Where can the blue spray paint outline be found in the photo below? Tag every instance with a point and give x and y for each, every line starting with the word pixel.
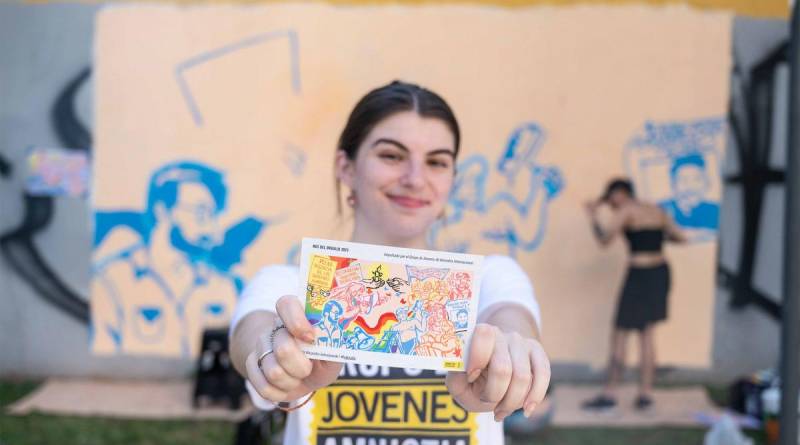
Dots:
pixel 671 141
pixel 193 62
pixel 474 171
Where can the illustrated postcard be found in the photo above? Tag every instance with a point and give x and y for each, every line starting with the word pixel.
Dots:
pixel 389 306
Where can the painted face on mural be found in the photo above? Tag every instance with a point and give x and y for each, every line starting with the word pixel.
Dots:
pixel 194 217
pixel 402 174
pixel 690 183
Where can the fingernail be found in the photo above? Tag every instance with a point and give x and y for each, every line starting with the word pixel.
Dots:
pixel 529 408
pixel 473 375
pixel 498 417
pixel 309 337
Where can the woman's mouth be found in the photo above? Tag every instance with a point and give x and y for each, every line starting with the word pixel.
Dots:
pixel 408 202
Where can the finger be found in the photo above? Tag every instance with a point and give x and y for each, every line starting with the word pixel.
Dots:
pixel 521 377
pixel 289 355
pixel 323 373
pixel 457 384
pixel 500 371
pixel 291 312
pixel 259 382
pixel 480 350
pixel 540 365
pixel 277 376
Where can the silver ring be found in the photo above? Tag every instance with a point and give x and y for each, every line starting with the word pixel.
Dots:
pixel 271 339
pixel 262 357
pixel 275 330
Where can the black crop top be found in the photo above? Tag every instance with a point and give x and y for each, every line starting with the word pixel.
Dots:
pixel 645 240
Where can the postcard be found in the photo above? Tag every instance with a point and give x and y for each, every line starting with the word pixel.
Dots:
pixel 389 306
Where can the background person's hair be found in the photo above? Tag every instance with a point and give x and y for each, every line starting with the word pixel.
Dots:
pixel 385 101
pixel 622 184
pixel 695 159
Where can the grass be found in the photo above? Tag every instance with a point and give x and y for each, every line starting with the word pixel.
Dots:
pixel 45 429
pixel 616 436
pixel 41 429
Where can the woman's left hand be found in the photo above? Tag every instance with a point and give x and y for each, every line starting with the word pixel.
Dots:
pixel 505 372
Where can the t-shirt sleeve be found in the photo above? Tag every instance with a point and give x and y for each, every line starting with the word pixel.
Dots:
pixel 263 291
pixel 504 281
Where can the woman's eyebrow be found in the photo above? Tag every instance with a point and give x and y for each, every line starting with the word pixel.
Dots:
pixel 390 142
pixel 398 144
pixel 442 151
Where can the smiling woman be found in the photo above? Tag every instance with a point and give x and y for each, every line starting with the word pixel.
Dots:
pixel 396 156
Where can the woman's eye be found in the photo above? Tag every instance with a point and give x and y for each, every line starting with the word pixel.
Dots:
pixel 391 156
pixel 438 163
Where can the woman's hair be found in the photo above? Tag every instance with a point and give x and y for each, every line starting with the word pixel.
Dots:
pixel 385 101
pixel 618 184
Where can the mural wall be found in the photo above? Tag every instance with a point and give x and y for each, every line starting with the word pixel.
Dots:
pixel 216 128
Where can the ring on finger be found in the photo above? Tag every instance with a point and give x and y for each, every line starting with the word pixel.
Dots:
pixel 262 357
pixel 272 335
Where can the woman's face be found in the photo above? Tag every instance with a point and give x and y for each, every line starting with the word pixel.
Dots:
pixel 618 198
pixel 402 174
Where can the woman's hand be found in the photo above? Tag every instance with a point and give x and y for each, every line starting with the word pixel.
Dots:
pixel 505 372
pixel 286 374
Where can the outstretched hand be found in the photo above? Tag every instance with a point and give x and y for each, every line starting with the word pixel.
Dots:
pixel 285 373
pixel 505 371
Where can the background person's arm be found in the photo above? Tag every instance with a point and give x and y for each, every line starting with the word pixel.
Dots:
pixel 673 232
pixel 605 233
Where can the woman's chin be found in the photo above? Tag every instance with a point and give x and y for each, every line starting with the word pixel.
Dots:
pixel 407 227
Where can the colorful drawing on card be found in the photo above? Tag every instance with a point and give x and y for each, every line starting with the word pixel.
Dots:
pixel 389 306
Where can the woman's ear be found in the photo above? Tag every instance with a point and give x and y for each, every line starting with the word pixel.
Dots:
pixel 345 169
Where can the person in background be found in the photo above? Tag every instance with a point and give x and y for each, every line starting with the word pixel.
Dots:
pixel 643 300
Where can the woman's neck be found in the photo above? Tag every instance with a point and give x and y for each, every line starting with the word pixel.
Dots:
pixel 366 233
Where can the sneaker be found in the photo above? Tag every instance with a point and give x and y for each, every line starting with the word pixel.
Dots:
pixel 643 403
pixel 601 402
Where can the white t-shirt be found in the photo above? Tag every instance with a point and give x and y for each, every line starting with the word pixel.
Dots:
pixel 378 405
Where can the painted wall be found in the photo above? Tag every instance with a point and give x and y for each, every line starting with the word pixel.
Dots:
pixel 558 145
pixel 44 46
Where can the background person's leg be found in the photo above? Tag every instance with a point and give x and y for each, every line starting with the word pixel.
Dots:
pixel 647 367
pixel 616 364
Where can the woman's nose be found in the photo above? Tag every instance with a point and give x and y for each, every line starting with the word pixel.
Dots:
pixel 414 176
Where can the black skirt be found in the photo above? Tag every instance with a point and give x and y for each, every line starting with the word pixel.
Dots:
pixel 643 300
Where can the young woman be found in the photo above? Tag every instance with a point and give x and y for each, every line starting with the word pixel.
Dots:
pixel 643 300
pixel 397 156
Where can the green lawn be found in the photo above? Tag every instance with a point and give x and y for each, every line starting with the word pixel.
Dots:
pixel 619 436
pixel 39 429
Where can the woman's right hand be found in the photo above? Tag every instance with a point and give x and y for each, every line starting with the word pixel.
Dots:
pixel 287 374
